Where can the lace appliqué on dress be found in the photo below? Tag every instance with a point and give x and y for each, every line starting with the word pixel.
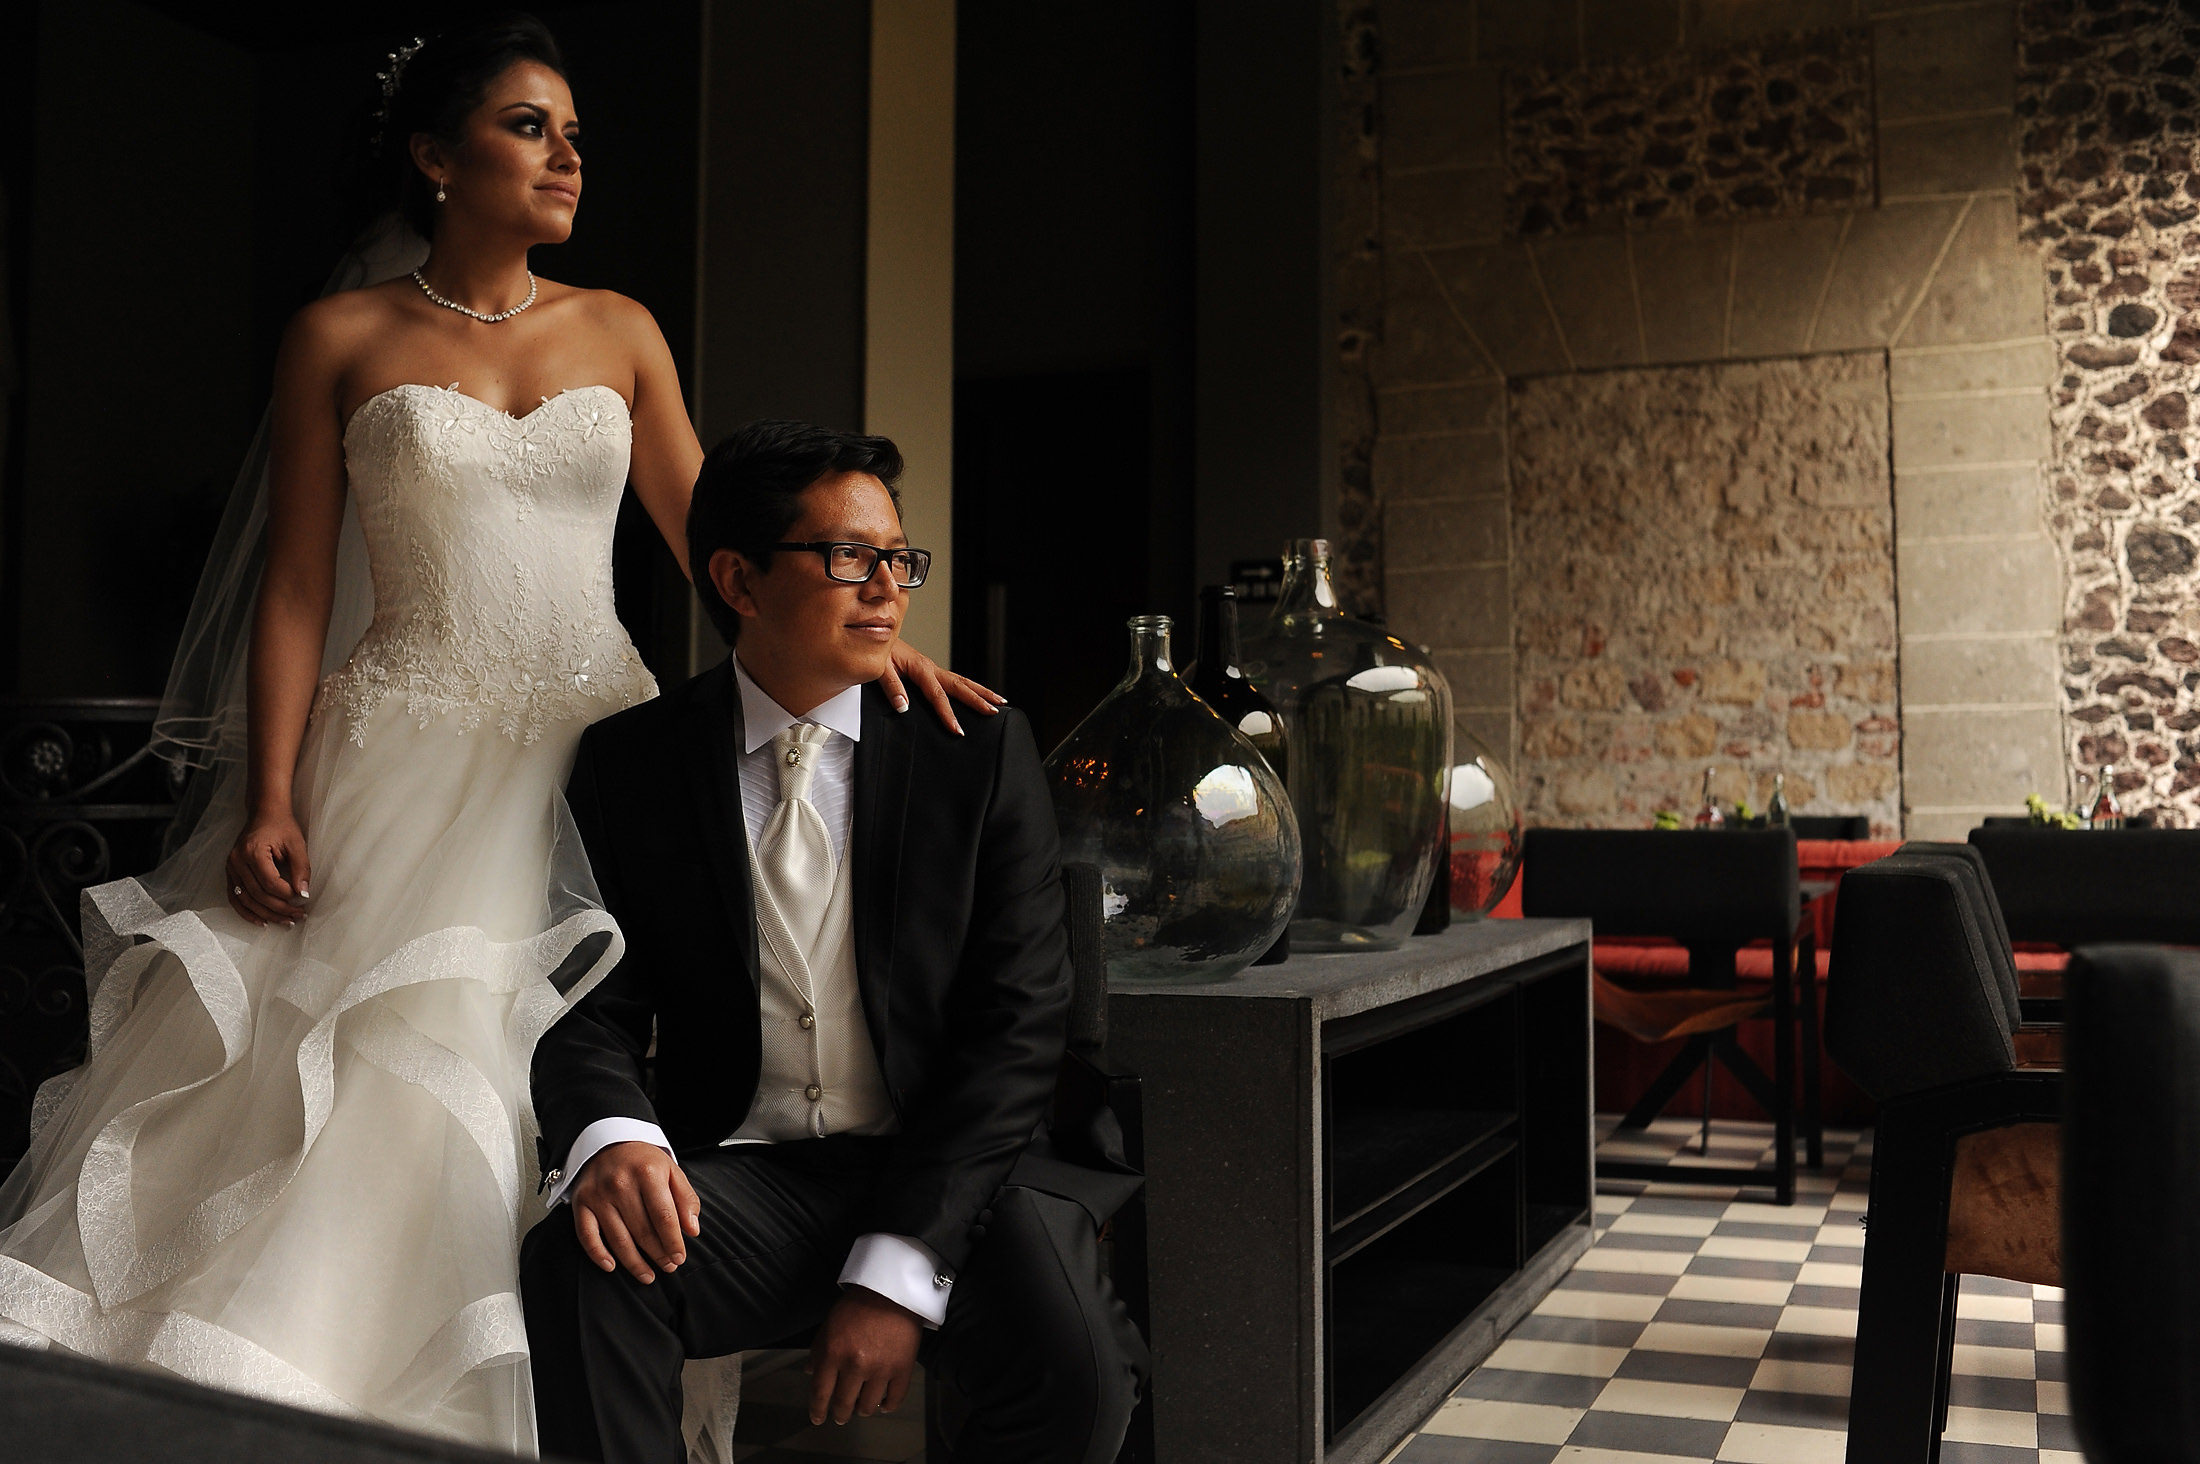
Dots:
pixel 489 536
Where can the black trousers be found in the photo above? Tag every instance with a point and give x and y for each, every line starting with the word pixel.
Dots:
pixel 1035 1339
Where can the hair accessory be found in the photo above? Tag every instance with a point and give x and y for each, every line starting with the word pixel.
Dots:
pixel 391 80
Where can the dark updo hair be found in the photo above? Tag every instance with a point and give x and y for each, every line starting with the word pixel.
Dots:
pixel 750 493
pixel 438 87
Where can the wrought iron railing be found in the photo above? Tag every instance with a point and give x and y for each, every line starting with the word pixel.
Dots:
pixel 82 800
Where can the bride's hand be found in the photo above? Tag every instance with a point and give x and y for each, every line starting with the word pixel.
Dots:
pixel 940 687
pixel 269 873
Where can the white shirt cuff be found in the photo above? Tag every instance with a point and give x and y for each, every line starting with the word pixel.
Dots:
pixel 602 1134
pixel 902 1270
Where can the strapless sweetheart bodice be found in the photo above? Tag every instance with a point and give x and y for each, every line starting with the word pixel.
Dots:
pixel 488 539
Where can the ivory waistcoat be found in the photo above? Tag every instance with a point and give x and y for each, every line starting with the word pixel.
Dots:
pixel 821 1078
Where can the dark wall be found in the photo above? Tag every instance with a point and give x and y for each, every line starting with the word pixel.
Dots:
pixel 786 192
pixel 1073 340
pixel 136 349
pixel 184 197
pixel 1267 318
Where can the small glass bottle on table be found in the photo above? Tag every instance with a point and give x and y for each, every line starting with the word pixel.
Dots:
pixel 1707 814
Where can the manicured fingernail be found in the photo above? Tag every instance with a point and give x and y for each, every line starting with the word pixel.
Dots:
pixel 304 893
pixel 901 704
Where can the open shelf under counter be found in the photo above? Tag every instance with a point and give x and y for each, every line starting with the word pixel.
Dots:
pixel 1361 1170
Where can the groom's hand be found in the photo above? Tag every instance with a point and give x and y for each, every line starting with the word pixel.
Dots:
pixel 633 1207
pixel 862 1357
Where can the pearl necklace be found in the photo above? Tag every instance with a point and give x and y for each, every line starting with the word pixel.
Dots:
pixel 482 316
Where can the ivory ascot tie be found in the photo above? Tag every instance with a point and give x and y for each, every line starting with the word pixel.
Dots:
pixel 794 858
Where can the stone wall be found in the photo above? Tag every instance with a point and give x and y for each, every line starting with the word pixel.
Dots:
pixel 1782 126
pixel 2110 110
pixel 1930 271
pixel 1704 574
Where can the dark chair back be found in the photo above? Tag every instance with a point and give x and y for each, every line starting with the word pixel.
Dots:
pixel 1729 887
pixel 1830 826
pixel 1979 889
pixel 2075 887
pixel 1914 999
pixel 2131 1183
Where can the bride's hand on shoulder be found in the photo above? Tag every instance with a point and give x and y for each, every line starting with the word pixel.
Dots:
pixel 940 687
pixel 270 874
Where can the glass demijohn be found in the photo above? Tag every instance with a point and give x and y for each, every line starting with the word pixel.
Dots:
pixel 1192 832
pixel 1216 680
pixel 1485 827
pixel 1369 722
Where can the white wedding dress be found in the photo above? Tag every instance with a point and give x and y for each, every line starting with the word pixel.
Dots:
pixel 298 1162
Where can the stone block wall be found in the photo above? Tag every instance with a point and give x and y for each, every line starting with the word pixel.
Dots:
pixel 1703 562
pixel 1446 301
pixel 2110 110
pixel 1783 126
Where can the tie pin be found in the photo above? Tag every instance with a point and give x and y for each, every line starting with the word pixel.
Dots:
pixel 794 757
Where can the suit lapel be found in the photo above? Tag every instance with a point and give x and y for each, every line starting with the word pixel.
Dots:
pixel 882 804
pixel 710 744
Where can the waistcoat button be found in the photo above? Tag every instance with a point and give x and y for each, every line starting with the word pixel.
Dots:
pixel 813 1092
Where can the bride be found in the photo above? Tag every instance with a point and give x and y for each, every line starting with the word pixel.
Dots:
pixel 295 1162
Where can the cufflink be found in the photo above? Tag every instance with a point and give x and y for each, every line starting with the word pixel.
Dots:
pixel 549 1178
pixel 941 1281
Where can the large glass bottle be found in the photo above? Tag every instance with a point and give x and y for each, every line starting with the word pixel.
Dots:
pixel 1485 826
pixel 1216 679
pixel 1192 831
pixel 1369 722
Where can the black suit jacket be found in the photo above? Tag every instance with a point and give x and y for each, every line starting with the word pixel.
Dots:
pixel 960 952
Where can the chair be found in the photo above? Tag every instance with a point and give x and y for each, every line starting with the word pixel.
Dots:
pixel 1922 1011
pixel 2131 1277
pixel 1099 1110
pixel 1713 893
pixel 1830 826
pixel 2077 887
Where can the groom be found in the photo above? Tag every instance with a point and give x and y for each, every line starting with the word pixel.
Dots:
pixel 844 933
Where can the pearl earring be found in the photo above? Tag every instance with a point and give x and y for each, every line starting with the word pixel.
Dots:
pixel 439 190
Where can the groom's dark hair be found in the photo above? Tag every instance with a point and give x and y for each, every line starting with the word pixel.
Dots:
pixel 750 493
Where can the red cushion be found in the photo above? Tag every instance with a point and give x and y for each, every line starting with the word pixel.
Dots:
pixel 1619 959
pixel 1830 857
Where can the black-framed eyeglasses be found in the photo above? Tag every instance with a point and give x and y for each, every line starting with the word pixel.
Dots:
pixel 852 564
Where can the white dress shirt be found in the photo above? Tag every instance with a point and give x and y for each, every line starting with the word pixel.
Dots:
pixel 898 1267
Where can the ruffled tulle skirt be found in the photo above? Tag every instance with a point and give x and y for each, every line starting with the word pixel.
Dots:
pixel 297 1162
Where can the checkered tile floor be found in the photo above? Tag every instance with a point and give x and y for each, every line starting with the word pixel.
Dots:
pixel 1702 1327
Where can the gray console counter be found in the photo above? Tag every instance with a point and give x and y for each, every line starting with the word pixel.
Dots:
pixel 1361 1170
